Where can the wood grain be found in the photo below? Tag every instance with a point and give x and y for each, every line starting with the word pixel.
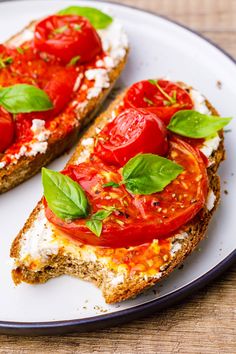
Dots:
pixel 203 323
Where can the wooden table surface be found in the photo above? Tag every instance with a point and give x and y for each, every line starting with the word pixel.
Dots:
pixel 203 323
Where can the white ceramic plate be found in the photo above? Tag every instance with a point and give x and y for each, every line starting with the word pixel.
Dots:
pixel 158 48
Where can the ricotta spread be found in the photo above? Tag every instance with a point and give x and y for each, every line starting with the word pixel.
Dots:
pixel 101 80
pixel 209 145
pixel 38 144
pixel 211 198
pixel 199 102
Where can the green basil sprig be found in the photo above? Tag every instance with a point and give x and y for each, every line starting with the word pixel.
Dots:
pixel 149 173
pixel 97 18
pixel 74 60
pixel 23 98
pixel 65 197
pixel 196 125
pixel 6 61
pixel 95 223
pixel 111 184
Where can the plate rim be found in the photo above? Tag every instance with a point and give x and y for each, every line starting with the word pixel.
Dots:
pixel 126 315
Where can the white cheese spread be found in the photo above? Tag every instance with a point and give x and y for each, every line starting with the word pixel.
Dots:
pixel 26 35
pixel 115 44
pixel 199 102
pixel 101 81
pixel 38 144
pixel 210 145
pixel 211 198
pixel 37 241
pixel 176 246
pixel 114 41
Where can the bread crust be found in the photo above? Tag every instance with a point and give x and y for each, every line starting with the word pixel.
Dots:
pixel 95 271
pixel 13 174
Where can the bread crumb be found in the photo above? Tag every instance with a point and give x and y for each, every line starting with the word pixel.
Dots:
pixel 219 84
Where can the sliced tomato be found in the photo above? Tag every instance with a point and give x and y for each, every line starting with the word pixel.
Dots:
pixel 132 132
pixel 138 219
pixel 144 94
pixel 7 129
pixel 67 37
pixel 60 90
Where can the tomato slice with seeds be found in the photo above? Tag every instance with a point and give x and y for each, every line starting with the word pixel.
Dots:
pixel 132 132
pixel 67 37
pixel 138 219
pixel 7 129
pixel 164 98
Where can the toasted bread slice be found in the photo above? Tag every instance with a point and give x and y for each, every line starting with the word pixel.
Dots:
pixel 24 167
pixel 41 252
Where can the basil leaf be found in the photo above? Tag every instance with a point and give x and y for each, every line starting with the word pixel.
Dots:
pixel 149 173
pixel 102 214
pixel 64 196
pixel 73 61
pixel 95 226
pixel 153 82
pixel 20 50
pixel 111 184
pixel 22 98
pixel 196 125
pixel 97 18
pixel 95 223
pixel 5 62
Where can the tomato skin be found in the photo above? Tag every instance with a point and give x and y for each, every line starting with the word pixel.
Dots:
pixel 142 93
pixel 132 132
pixel 83 42
pixel 60 90
pixel 140 220
pixel 7 129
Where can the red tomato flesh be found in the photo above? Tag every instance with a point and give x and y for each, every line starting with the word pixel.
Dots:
pixel 138 219
pixel 132 132
pixel 144 94
pixel 60 90
pixel 67 37
pixel 6 129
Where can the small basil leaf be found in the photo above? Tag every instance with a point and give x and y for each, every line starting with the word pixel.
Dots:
pixel 23 98
pixel 95 226
pixel 74 61
pixel 20 50
pixel 95 223
pixel 153 82
pixel 149 173
pixel 97 18
pixel 102 214
pixel 196 125
pixel 111 184
pixel 5 62
pixel 64 196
